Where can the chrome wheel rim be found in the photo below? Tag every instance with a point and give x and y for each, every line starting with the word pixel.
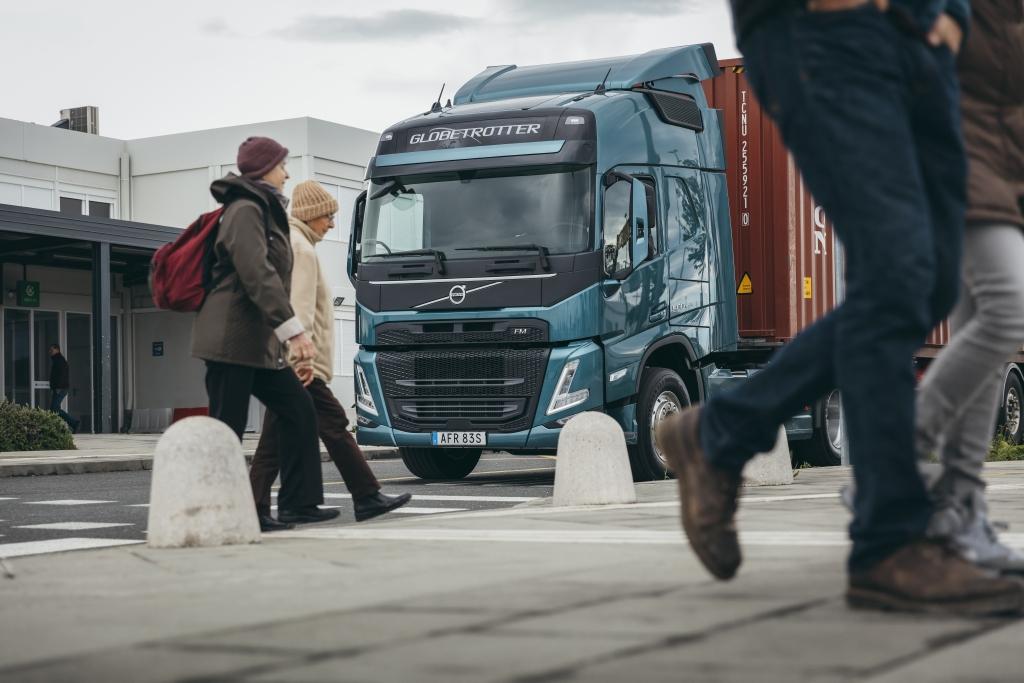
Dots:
pixel 665 405
pixel 834 420
pixel 1012 412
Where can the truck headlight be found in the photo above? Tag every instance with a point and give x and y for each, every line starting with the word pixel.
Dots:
pixel 563 398
pixel 364 399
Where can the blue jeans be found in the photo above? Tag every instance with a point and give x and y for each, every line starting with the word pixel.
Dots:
pixel 871 116
pixel 56 398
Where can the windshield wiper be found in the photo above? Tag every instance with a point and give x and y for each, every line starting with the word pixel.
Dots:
pixel 438 257
pixel 542 252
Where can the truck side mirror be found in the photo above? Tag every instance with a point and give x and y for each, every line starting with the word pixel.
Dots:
pixel 355 236
pixel 640 222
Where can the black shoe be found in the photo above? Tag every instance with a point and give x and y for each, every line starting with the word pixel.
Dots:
pixel 268 523
pixel 306 515
pixel 378 504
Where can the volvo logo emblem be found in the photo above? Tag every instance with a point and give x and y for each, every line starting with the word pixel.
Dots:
pixel 457 294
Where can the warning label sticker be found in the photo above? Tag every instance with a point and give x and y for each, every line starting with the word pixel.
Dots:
pixel 746 285
pixel 808 288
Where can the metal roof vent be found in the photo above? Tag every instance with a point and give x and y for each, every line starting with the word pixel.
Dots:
pixel 81 119
pixel 677 109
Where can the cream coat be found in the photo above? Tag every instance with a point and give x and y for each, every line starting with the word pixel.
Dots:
pixel 311 297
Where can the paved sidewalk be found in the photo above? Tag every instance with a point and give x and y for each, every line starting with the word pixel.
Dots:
pixel 117 453
pixel 534 594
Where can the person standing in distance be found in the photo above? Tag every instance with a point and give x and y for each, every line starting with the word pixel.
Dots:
pixel 60 384
pixel 312 217
pixel 246 327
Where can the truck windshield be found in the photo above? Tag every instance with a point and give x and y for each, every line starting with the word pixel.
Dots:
pixel 459 213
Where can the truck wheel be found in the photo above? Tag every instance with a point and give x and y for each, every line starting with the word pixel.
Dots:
pixel 662 393
pixel 440 463
pixel 1010 422
pixel 824 448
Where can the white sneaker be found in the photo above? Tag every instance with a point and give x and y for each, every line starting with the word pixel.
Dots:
pixel 979 544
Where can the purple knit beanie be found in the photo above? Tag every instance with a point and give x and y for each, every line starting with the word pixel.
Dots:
pixel 258 156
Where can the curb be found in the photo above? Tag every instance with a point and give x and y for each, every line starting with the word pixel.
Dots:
pixel 85 464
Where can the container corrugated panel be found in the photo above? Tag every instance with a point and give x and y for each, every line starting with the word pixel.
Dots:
pixel 785 248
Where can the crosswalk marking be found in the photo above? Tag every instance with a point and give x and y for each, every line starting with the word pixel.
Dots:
pixel 70 501
pixel 409 510
pixel 452 499
pixel 59 545
pixel 74 526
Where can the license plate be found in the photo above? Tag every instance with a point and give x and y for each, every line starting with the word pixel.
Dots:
pixel 460 438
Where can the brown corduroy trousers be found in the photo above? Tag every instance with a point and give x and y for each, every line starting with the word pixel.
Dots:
pixel 332 426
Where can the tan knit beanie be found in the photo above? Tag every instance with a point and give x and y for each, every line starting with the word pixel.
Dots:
pixel 310 200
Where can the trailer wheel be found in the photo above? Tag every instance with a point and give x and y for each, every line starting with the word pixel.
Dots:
pixel 1011 425
pixel 440 463
pixel 662 393
pixel 824 448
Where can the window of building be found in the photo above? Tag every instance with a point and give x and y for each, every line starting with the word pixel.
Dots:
pixel 71 205
pixel 99 209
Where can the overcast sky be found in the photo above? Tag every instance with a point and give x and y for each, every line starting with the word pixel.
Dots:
pixel 157 68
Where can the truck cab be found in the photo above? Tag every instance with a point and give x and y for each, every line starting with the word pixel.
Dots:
pixel 556 239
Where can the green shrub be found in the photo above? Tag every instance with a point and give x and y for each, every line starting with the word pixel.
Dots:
pixel 31 429
pixel 1003 450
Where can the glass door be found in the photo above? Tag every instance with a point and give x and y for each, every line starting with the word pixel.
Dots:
pixel 17 356
pixel 45 333
pixel 79 355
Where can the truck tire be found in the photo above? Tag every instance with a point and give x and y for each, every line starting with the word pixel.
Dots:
pixel 662 393
pixel 823 449
pixel 1011 422
pixel 440 463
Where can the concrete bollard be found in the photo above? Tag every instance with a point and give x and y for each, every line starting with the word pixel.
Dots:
pixel 200 493
pixel 593 465
pixel 774 468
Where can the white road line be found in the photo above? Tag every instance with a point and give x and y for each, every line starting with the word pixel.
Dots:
pixel 806 539
pixel 59 545
pixel 73 526
pixel 451 499
pixel 8 499
pixel 409 510
pixel 138 505
pixel 322 507
pixel 71 501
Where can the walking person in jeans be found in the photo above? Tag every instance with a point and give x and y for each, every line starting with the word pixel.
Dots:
pixel 312 217
pixel 959 395
pixel 246 326
pixel 60 384
pixel 866 98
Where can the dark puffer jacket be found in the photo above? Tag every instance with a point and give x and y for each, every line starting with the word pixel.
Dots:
pixel 247 316
pixel 992 78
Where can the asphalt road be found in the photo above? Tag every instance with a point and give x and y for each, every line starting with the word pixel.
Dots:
pixel 47 514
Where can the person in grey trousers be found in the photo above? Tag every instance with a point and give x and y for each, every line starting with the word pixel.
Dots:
pixel 958 398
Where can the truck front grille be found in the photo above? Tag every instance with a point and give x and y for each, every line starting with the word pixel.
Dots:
pixel 462 389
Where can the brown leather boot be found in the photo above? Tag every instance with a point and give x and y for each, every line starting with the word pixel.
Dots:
pixel 928 576
pixel 707 495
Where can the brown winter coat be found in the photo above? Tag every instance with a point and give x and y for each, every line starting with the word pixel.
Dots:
pixel 992 77
pixel 247 316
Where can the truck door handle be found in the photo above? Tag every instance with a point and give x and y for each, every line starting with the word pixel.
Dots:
pixel 658 312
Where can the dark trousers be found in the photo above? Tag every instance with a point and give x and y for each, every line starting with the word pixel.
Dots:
pixel 56 398
pixel 871 116
pixel 341 445
pixel 229 388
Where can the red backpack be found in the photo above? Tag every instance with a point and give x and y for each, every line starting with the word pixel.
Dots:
pixel 180 273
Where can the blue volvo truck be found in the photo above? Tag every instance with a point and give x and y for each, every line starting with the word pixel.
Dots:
pixel 556 239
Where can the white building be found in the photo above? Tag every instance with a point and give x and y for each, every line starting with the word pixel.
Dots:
pixel 72 202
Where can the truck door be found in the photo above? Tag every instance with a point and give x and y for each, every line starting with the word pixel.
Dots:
pixel 635 291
